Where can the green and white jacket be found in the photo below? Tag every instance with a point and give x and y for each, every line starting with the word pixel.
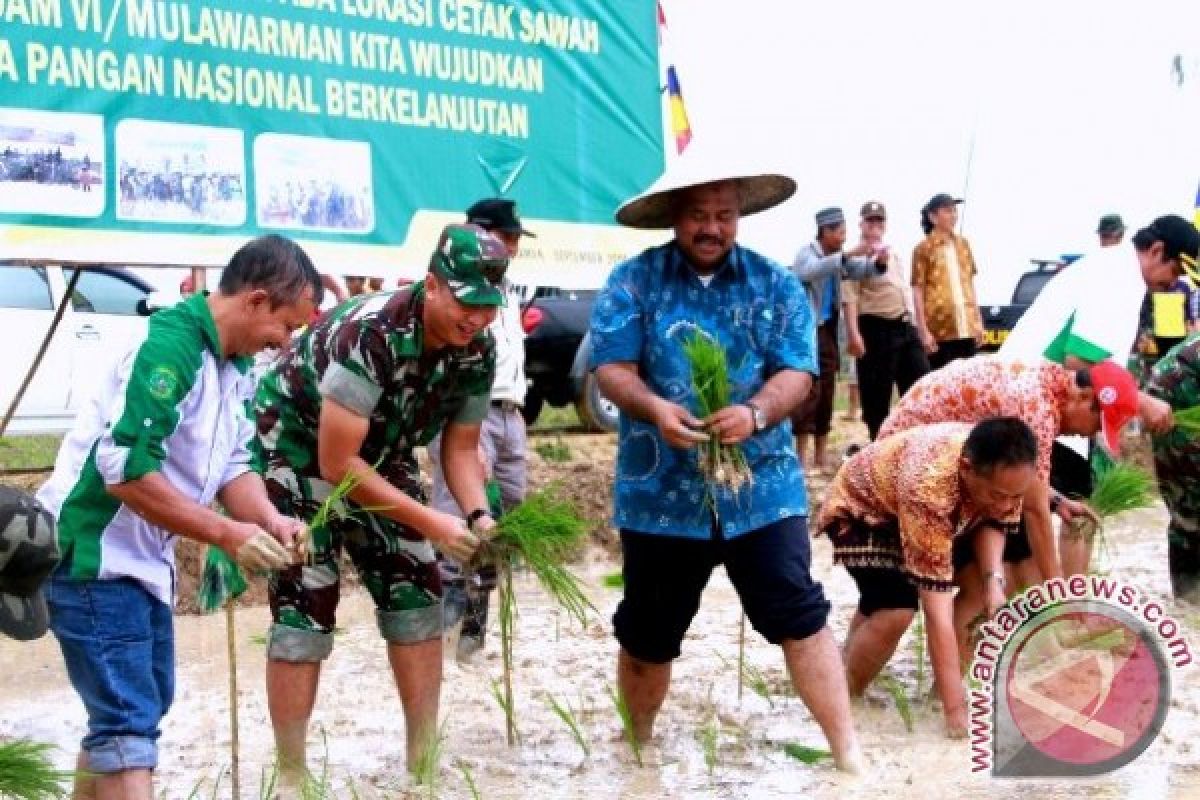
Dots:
pixel 169 404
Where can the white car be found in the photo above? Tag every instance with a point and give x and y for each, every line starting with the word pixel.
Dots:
pixel 108 308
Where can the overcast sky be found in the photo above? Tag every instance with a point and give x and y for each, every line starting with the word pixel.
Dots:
pixel 1044 115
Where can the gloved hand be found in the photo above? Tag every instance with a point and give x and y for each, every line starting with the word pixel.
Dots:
pixel 258 551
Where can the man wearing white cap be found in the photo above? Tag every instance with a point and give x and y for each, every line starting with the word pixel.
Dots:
pixel 676 526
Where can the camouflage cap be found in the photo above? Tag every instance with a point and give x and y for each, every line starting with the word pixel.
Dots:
pixel 28 554
pixel 473 262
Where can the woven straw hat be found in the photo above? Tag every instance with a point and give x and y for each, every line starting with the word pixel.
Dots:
pixel 652 208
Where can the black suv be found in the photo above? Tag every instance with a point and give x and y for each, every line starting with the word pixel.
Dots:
pixel 998 321
pixel 556 355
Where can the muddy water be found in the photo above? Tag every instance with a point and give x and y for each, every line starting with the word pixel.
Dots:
pixel 358 733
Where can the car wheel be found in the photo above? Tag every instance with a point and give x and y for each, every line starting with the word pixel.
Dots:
pixel 531 409
pixel 596 411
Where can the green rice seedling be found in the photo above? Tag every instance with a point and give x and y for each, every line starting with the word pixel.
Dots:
pixel 556 452
pixel 508 615
pixel 504 700
pixel 27 773
pixel 564 712
pixel 334 508
pixel 428 766
pixel 754 678
pixel 1187 421
pixel 742 656
pixel 806 754
pixel 614 580
pixel 469 780
pixel 899 697
pixel 709 736
pixel 626 718
pixel 723 465
pixel 918 644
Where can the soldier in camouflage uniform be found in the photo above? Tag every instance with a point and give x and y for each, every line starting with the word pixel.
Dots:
pixel 377 377
pixel 1176 379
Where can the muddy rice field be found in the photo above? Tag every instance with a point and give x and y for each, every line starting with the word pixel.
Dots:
pixel 713 741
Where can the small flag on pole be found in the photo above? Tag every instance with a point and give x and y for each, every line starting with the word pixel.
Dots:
pixel 679 118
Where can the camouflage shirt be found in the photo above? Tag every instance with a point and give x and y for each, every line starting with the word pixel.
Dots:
pixel 367 354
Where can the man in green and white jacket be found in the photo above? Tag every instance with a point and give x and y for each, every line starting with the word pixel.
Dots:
pixel 164 435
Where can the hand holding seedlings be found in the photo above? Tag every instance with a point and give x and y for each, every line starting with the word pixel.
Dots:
pixel 731 425
pixel 1068 509
pixel 678 427
pixel 450 535
pixel 288 530
pixel 1155 414
pixel 256 550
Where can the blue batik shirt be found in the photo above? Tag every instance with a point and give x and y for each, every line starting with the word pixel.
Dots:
pixel 761 315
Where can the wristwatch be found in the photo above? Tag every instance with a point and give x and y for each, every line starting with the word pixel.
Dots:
pixel 760 417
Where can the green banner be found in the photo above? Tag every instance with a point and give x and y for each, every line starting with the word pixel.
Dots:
pixel 333 121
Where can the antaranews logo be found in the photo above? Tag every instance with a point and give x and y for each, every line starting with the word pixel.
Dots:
pixel 1071 678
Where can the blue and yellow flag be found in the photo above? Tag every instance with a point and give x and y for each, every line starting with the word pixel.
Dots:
pixel 681 128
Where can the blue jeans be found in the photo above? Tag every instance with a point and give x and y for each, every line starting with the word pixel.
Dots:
pixel 118 643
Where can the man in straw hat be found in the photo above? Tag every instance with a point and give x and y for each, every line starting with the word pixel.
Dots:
pixel 1090 313
pixel 675 524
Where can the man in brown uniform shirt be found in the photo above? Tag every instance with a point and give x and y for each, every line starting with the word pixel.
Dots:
pixel 879 329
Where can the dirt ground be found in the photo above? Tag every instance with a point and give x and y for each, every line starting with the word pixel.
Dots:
pixel 357 730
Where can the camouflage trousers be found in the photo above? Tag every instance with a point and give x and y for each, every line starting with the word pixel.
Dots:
pixel 396 564
pixel 1177 463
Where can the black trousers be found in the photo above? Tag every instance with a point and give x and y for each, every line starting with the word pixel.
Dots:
pixel 951 350
pixel 894 358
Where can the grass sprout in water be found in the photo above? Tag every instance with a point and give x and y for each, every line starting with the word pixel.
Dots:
pixel 806 754
pixel 722 465
pixel 626 718
pixel 563 711
pixel 900 697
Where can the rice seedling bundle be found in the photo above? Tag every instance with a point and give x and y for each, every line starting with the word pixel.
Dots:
pixel 542 532
pixel 722 465
pixel 1187 420
pixel 1121 487
pixel 1118 487
pixel 26 772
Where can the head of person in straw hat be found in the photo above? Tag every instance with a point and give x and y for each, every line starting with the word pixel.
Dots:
pixel 703 203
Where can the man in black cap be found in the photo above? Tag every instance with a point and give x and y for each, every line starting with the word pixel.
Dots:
pixel 879 329
pixel 28 554
pixel 943 281
pixel 1111 230
pixel 822 266
pixel 501 439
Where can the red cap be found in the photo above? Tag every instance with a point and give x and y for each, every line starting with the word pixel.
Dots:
pixel 1117 395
